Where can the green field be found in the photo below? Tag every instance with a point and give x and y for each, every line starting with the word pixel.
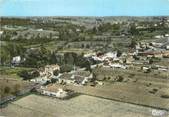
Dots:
pixel 12 72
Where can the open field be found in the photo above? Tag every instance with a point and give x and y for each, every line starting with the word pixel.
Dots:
pixel 131 93
pixel 80 106
pixel 138 88
pixel 10 85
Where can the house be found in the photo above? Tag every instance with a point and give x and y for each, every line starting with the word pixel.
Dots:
pixel 40 80
pixel 99 82
pixel 159 36
pixel 48 70
pixel 161 68
pixel 82 73
pixel 107 56
pixel 1 32
pixel 53 91
pixel 42 72
pixel 111 55
pixel 154 44
pixel 129 59
pixel 78 77
pixel 118 66
pixel 166 35
pixel 51 68
pixel 89 54
pixel 145 69
pixel 78 30
pixel 16 60
pixel 80 80
pixel 167 47
pixel 156 53
pixel 66 78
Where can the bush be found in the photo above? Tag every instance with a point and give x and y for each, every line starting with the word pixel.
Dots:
pixel 16 88
pixel 7 90
pixel 56 72
pixel 53 80
pixel 66 68
pixel 119 78
pixel 35 74
pixel 24 74
pixel 28 74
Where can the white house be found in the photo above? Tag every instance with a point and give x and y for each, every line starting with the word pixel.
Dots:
pixel 40 80
pixel 16 60
pixel 159 36
pixel 60 93
pixel 166 35
pixel 1 32
pixel 109 55
pixel 167 47
pixel 118 66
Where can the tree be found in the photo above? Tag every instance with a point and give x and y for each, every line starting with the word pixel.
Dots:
pixel 119 53
pixel 66 68
pixel 133 30
pixel 28 74
pixel 119 78
pixel 24 74
pixel 53 59
pixel 35 74
pixel 87 46
pixel 82 46
pixel 53 80
pixel 7 90
pixel 37 58
pixel 70 58
pixel 133 43
pixel 10 50
pixel 56 72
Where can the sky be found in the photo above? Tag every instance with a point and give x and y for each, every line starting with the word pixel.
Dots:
pixel 84 7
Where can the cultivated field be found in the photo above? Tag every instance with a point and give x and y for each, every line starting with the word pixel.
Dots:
pixel 80 106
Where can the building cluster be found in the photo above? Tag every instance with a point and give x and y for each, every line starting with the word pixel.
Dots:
pixel 46 73
pixel 141 56
pixel 144 54
pixel 76 78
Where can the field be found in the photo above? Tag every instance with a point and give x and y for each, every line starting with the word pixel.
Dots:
pixel 10 85
pixel 80 106
pixel 137 87
pixel 11 72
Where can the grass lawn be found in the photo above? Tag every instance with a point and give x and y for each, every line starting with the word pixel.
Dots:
pixel 12 72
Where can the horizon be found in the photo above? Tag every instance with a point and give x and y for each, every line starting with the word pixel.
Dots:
pixel 84 8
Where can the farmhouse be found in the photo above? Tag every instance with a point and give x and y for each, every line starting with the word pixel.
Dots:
pixel 53 91
pixel 40 80
pixel 16 60
pixel 66 78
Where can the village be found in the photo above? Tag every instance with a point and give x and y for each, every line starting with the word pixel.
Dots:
pixel 119 61
pixel 55 84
